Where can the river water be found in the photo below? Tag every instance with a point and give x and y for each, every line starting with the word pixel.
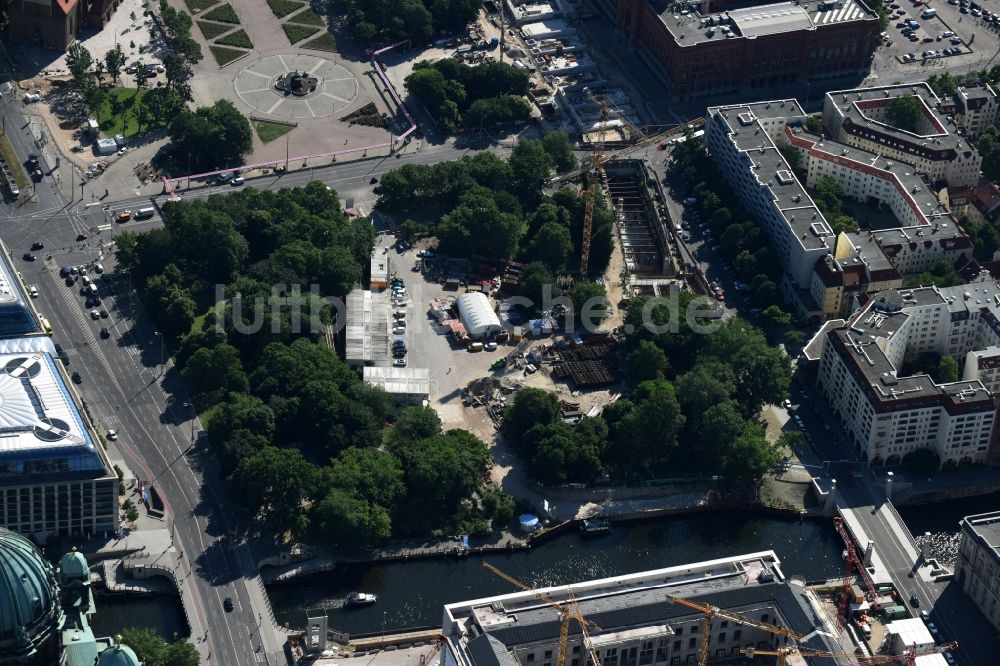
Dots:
pixel 941 520
pixel 161 612
pixel 412 593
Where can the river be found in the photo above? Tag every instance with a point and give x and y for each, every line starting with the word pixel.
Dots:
pixel 412 593
pixel 161 612
pixel 941 520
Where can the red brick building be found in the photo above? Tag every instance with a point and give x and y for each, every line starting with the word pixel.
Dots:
pixel 54 24
pixel 726 47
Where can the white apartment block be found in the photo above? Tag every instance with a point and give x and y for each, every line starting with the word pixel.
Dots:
pixel 741 140
pixel 888 415
pixel 976 108
pixel 858 118
pixel 977 567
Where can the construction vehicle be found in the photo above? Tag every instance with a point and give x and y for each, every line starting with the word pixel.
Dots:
pixel 568 610
pixel 712 612
pixel 909 656
pixel 595 169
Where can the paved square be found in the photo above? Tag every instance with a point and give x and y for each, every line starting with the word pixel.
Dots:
pixel 335 90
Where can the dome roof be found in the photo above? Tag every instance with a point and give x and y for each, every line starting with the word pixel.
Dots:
pixel 27 589
pixel 74 565
pixel 118 655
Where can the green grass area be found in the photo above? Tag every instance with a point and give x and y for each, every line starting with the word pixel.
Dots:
pixel 270 131
pixel 308 17
pixel 283 7
pixel 296 33
pixel 213 30
pixel 224 55
pixel 238 38
pixel 200 5
pixel 119 113
pixel 324 42
pixel 16 168
pixel 224 14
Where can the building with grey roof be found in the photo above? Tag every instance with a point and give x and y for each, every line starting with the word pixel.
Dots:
pixel 977 567
pixel 17 316
pixel 976 107
pixel 366 335
pixel 633 620
pixel 721 46
pixel 889 414
pixel 54 475
pixel 933 147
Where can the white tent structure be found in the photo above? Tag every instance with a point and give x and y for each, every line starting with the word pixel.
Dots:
pixel 479 318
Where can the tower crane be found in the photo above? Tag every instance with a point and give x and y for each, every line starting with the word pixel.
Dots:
pixel 567 611
pixel 598 158
pixel 851 564
pixel 909 656
pixel 712 612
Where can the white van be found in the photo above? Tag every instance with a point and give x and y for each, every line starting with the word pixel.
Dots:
pixel 32 97
pixel 476 347
pixel 928 13
pixel 143 213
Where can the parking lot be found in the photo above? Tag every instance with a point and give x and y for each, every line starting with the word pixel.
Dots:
pixel 941 34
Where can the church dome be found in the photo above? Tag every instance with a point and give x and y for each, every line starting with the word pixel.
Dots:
pixel 28 596
pixel 118 655
pixel 73 565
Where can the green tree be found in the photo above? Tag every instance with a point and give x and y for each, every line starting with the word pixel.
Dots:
pixel 273 484
pixel 79 63
pixel 498 506
pixel 643 429
pixel 943 84
pixel 844 223
pixel 814 124
pixel 775 317
pixel 416 423
pixel 947 370
pixel 347 520
pixel 589 298
pixel 552 246
pixel 750 457
pixel 559 150
pixel 216 370
pixel 828 196
pixel 905 112
pixel 181 653
pixel 530 165
pixel 148 645
pixel 532 284
pixel 114 62
pixel 369 473
pixel 647 361
pixel 708 383
pixel 530 407
pixel 218 134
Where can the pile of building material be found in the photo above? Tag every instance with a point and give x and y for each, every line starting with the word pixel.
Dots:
pixel 588 366
pixel 493 393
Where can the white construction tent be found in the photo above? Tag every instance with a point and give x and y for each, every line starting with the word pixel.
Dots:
pixel 367 331
pixel 477 315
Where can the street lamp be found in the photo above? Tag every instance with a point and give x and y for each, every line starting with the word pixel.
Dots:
pixel 381 643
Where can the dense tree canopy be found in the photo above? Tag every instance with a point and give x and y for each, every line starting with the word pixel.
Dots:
pixel 458 95
pixel 152 650
pixel 485 206
pixel 905 112
pixel 375 21
pixel 213 136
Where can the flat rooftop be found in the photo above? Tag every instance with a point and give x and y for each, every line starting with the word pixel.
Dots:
pixel 16 318
pixel 636 604
pixel 692 27
pixel 400 381
pixel 986 526
pixel 41 430
pixel 770 167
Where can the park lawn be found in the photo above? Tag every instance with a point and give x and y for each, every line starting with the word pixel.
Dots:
pixel 14 162
pixel 200 5
pixel 308 17
pixel 268 131
pixel 296 33
pixel 224 14
pixel 282 8
pixel 324 42
pixel 238 38
pixel 126 122
pixel 224 56
pixel 213 30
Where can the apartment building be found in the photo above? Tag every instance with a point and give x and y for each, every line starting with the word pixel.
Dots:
pixel 741 140
pixel 976 108
pixel 977 567
pixel 889 415
pixel 858 118
pixel 634 621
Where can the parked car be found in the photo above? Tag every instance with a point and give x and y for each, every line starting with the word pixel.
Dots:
pixel 125 216
pixel 112 435
pixel 27 256
pixel 77 378
pixel 236 182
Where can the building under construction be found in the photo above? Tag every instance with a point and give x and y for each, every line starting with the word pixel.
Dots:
pixel 649 618
pixel 640 229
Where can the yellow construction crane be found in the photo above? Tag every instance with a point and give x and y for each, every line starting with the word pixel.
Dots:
pixel 596 166
pixel 712 612
pixel 567 611
pixel 908 657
